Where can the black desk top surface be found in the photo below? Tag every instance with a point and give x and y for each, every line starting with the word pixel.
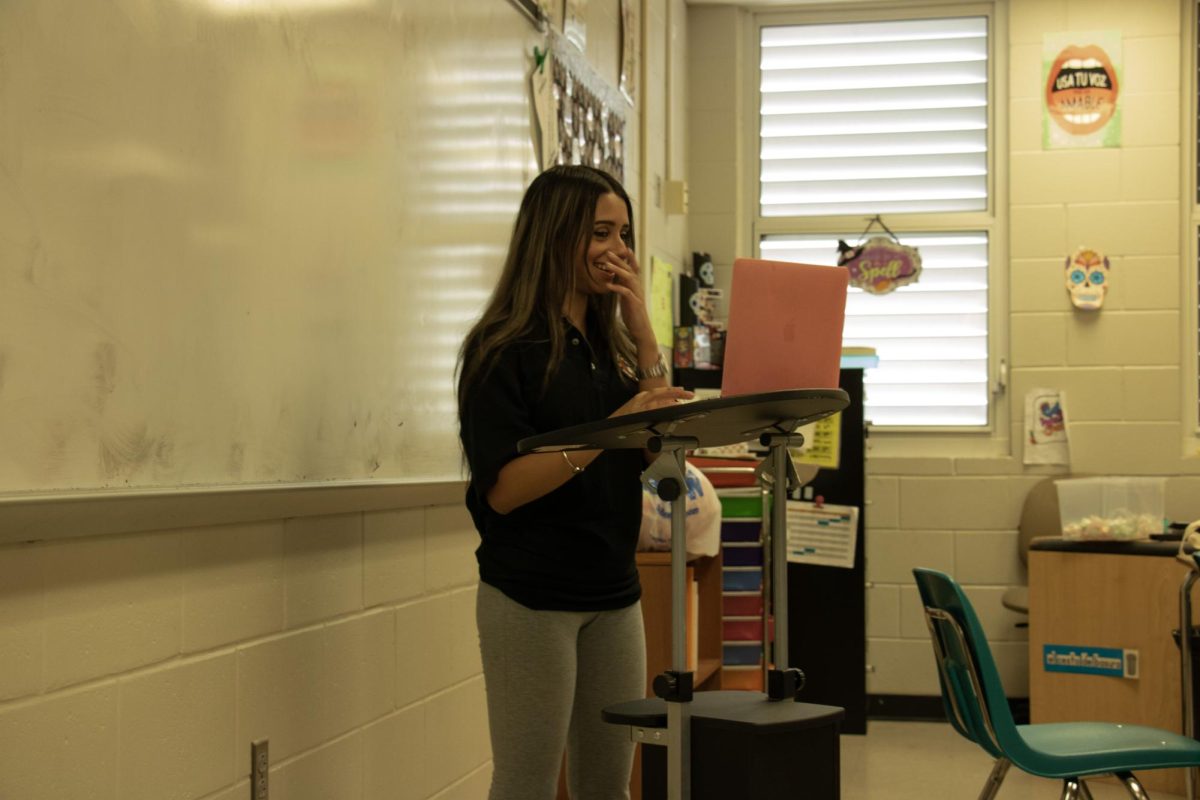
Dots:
pixel 713 423
pixel 728 708
pixel 1137 547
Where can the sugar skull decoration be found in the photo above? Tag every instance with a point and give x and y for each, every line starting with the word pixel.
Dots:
pixel 1087 278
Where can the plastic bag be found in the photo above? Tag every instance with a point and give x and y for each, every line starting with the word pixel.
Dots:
pixel 702 522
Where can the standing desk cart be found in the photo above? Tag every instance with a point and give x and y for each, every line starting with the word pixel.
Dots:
pixel 747 743
pixel 832 646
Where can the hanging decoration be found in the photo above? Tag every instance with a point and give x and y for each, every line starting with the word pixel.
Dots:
pixel 1087 278
pixel 590 113
pixel 880 264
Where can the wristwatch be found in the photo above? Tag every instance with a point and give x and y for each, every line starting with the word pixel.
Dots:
pixel 657 370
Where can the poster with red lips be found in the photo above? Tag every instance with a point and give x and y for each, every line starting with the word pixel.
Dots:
pixel 1081 89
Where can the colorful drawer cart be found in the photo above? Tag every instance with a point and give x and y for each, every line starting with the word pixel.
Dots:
pixel 742 589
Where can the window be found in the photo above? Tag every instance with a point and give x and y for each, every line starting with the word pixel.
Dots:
pixel 889 117
pixel 931 336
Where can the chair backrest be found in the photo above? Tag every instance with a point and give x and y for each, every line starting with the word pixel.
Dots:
pixel 971 691
pixel 1039 514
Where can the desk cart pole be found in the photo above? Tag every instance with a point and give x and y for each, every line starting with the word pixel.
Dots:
pixel 667 477
pixel 779 472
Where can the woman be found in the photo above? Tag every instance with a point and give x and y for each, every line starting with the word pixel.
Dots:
pixel 564 340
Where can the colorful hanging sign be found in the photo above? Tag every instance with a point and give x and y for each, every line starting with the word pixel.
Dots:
pixel 880 265
pixel 1087 279
pixel 1082 86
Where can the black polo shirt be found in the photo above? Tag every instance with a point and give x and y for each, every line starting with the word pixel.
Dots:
pixel 572 549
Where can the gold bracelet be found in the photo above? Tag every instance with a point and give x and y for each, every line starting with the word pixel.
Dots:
pixel 574 468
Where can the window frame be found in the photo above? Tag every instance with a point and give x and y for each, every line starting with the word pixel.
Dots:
pixel 990 439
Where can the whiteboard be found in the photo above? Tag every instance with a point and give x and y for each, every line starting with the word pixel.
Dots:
pixel 241 240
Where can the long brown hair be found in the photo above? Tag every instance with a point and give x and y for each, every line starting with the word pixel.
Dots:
pixel 552 228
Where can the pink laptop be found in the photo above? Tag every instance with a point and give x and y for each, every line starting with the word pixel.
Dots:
pixel 785 327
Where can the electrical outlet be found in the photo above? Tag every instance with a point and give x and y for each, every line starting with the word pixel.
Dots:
pixel 260 767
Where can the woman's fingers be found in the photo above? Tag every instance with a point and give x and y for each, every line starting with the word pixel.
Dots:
pixel 659 404
pixel 619 265
pixel 625 283
pixel 664 396
pixel 659 397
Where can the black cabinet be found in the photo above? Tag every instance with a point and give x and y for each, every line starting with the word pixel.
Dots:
pixel 827 620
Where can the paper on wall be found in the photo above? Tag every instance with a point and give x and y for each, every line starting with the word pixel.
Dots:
pixel 825 535
pixel 822 443
pixel 541 84
pixel 1046 427
pixel 662 316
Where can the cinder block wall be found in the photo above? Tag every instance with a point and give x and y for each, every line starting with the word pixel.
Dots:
pixel 143 666
pixel 1121 369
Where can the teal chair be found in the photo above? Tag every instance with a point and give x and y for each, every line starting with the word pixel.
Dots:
pixel 978 709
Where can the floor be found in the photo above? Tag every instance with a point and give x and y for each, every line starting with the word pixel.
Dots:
pixel 924 760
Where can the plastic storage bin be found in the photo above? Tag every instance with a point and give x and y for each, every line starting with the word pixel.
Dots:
pixel 741 555
pixel 745 629
pixel 741 579
pixel 742 604
pixel 745 506
pixel 741 629
pixel 1110 508
pixel 738 654
pixel 741 530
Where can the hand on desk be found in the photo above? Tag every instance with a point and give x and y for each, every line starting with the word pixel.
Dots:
pixel 650 399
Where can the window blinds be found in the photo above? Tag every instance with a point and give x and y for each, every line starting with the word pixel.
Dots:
pixel 872 118
pixel 931 336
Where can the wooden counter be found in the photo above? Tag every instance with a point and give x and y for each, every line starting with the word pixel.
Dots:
pixel 1108 595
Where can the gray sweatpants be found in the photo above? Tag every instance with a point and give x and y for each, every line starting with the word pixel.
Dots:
pixel 548 674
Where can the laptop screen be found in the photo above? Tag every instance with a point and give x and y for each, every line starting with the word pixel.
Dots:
pixel 785 327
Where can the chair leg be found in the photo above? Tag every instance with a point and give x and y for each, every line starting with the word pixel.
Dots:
pixel 1133 786
pixel 999 770
pixel 1071 789
pixel 1084 791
